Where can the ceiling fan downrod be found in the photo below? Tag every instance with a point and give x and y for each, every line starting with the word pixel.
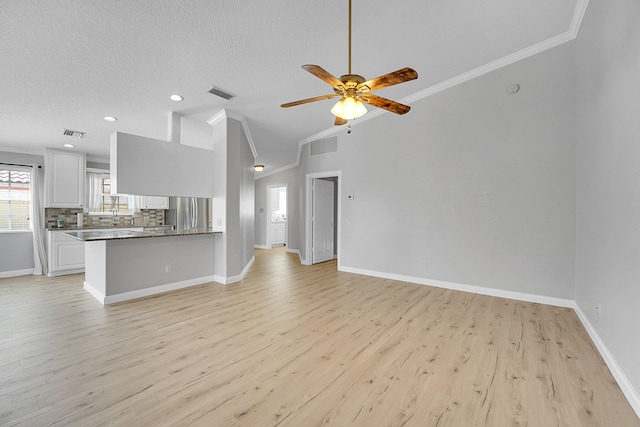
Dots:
pixel 349 36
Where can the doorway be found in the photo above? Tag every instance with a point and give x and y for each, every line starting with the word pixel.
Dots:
pixel 323 230
pixel 277 230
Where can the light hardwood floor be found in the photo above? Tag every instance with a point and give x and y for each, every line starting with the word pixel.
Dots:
pixel 297 346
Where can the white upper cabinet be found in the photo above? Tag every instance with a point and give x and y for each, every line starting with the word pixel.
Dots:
pixel 64 177
pixel 155 202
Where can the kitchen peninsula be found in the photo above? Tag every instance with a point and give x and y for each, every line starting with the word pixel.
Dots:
pixel 127 264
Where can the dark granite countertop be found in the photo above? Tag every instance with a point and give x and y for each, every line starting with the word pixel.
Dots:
pixel 113 234
pixel 102 227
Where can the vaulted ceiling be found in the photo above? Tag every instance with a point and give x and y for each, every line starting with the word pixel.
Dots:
pixel 69 63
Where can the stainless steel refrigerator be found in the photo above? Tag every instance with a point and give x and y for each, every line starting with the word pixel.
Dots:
pixel 189 213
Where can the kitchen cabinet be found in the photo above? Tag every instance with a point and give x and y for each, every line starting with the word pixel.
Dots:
pixel 64 177
pixel 66 254
pixel 278 231
pixel 154 202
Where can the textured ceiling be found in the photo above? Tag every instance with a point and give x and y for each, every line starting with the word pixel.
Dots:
pixel 66 64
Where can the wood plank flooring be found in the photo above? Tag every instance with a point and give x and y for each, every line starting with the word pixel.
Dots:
pixel 296 345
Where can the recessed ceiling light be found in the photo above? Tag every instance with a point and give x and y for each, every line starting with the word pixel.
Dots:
pixel 176 98
pixel 110 118
pixel 69 145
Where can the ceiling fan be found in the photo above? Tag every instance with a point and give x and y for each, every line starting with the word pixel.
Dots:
pixel 354 91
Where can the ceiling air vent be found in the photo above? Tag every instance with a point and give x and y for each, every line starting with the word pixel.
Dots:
pixel 219 92
pixel 322 146
pixel 74 133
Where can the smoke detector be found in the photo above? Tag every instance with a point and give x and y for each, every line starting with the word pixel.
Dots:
pixel 513 88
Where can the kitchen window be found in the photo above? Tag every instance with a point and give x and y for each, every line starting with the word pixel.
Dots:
pixel 99 200
pixel 15 198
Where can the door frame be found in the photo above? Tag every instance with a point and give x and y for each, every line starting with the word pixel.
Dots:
pixel 309 203
pixel 268 215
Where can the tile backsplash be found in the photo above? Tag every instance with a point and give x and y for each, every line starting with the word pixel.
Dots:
pixel 146 218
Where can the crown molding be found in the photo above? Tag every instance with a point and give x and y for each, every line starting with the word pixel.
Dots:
pixel 228 114
pixel 578 16
pixel 275 171
pixel 570 34
pixel 98 159
pixel 218 117
pixel 22 150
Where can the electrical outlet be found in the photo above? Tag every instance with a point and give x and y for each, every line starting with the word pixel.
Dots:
pixel 598 309
pixel 424 264
pixel 167 268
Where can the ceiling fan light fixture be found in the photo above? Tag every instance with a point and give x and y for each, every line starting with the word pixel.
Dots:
pixel 355 90
pixel 349 108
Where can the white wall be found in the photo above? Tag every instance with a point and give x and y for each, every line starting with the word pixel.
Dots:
pixel 233 199
pixel 151 167
pixel 16 249
pixel 219 207
pixel 478 183
pixel 608 170
pixel 240 199
pixel 195 133
pixel 136 264
pixel 16 253
pixel 289 178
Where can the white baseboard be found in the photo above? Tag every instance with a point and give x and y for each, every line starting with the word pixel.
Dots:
pixel 65 272
pixel 297 251
pixel 261 247
pixel 625 385
pixel 520 296
pixel 302 260
pixel 125 296
pixel 94 292
pixel 234 279
pixel 16 273
pixel 630 393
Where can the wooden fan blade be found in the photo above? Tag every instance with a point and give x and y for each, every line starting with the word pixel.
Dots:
pixel 403 75
pixel 339 121
pixel 306 101
pixel 387 104
pixel 323 74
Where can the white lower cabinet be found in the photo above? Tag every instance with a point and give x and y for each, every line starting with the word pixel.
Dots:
pixel 278 233
pixel 65 254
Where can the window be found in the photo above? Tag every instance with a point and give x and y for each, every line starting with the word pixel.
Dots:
pixel 99 198
pixel 15 198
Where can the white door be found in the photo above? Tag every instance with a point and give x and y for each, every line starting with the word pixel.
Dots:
pixel 322 220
